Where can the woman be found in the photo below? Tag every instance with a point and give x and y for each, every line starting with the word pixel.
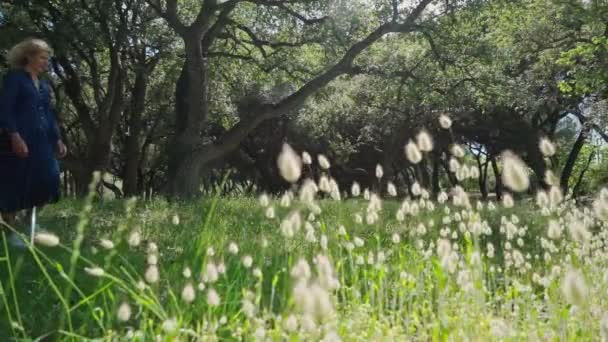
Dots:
pixel 29 172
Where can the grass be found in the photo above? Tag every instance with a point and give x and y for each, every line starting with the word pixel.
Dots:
pixel 388 280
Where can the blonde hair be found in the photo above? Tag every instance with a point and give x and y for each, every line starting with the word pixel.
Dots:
pixel 18 55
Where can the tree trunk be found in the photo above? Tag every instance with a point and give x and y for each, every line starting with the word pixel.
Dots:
pixel 498 188
pixel 133 143
pixel 571 161
pixel 435 180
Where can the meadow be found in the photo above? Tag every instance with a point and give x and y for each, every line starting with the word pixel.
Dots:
pixel 362 269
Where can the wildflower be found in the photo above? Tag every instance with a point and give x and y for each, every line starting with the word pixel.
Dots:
pixel 474 172
pixel 416 189
pixel 546 147
pixel 124 312
pixel 424 141
pixel 152 259
pixel 413 153
pixel 285 200
pixel 94 271
pixel 289 164
pixel 358 242
pixel 188 293
pixel 46 239
pixel 175 220
pixel 578 231
pixel 152 247
pixel 574 287
pixel 515 173
pixel 257 272
pixel 301 270
pixel 454 165
pixel 187 273
pixel 323 162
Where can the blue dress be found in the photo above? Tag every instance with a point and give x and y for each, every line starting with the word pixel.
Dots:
pixel 24 108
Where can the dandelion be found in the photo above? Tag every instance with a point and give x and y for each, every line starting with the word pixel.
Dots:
pixel 379 171
pixel 445 122
pixel 233 248
pixel 134 238
pixel 424 141
pixel 107 244
pixel 546 147
pixel 413 153
pixel 289 164
pixel 247 261
pixel 515 173
pixel 574 287
pixel 323 162
pixel 46 239
pixel 95 271
pixel 306 159
pixel 188 293
pixel 213 299
pixel 124 312
pixel 152 274
pixel 391 189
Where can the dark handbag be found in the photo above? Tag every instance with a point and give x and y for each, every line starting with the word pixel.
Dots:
pixel 6 147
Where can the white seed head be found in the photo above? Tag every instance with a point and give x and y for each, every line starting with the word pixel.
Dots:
pixel 355 189
pixel 413 153
pixel 391 189
pixel 445 122
pixel 187 273
pixel 152 274
pixel 323 162
pixel 247 261
pixel 175 220
pixel 124 312
pixel 233 248
pixel 107 244
pixel 424 141
pixel 46 239
pixel 95 271
pixel 264 200
pixel 507 200
pixel 134 238
pixel 188 293
pixel 379 171
pixel 574 287
pixel 546 147
pixel 306 159
pixel 213 299
pixel 515 172
pixel 289 164
pixel 457 151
